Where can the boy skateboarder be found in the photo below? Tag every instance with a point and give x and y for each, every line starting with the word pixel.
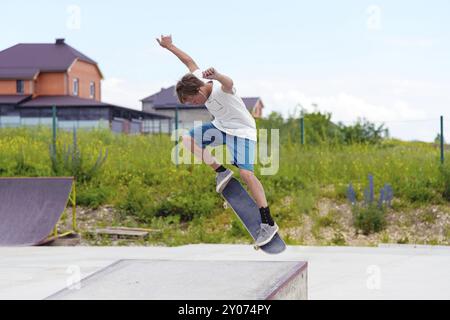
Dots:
pixel 233 126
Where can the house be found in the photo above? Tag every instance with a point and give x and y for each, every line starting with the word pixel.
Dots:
pixel 165 103
pixel 34 77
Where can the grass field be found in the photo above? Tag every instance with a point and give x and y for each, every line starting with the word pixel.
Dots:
pixel 140 186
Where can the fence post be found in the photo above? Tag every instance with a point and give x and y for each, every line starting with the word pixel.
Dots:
pixel 442 139
pixel 302 130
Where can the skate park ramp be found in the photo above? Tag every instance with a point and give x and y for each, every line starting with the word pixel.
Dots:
pixel 192 280
pixel 30 208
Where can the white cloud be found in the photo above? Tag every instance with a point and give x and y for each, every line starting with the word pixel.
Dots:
pixel 411 41
pixel 418 87
pixel 373 18
pixel 347 101
pixel 284 95
pixel 127 93
pixel 409 108
pixel 347 107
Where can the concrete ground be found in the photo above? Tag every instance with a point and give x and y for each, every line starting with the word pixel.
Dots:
pixel 388 272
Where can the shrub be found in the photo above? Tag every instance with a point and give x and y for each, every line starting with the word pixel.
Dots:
pixel 22 168
pixel 370 216
pixel 419 190
pixel 445 179
pixel 369 219
pixel 93 196
pixel 185 205
pixel 71 161
pixel 137 201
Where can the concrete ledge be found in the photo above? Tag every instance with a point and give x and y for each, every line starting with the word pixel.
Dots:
pixel 193 280
pixel 361 273
pixel 293 286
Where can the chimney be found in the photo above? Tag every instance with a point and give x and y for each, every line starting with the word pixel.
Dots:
pixel 60 41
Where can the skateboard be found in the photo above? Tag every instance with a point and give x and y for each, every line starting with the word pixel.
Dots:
pixel 247 211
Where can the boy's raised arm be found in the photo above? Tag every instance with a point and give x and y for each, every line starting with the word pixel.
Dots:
pixel 166 42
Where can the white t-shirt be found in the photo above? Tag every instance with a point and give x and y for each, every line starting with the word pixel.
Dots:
pixel 229 111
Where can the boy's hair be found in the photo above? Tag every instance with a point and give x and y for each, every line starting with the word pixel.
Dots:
pixel 189 85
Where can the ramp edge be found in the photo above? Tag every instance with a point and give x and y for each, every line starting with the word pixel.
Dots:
pixel 299 273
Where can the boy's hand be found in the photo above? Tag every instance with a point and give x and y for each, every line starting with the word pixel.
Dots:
pixel 165 41
pixel 211 73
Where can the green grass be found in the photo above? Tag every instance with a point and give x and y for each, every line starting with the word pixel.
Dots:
pixel 139 179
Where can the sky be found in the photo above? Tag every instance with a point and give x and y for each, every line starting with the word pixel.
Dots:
pixel 386 61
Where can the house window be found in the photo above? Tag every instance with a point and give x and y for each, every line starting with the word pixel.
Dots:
pixel 20 86
pixel 92 89
pixel 75 87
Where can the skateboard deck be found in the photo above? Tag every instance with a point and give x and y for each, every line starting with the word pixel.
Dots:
pixel 247 211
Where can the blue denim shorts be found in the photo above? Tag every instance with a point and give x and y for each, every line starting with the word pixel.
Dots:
pixel 242 149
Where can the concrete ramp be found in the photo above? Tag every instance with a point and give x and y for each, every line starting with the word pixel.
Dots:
pixel 30 208
pixel 193 280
